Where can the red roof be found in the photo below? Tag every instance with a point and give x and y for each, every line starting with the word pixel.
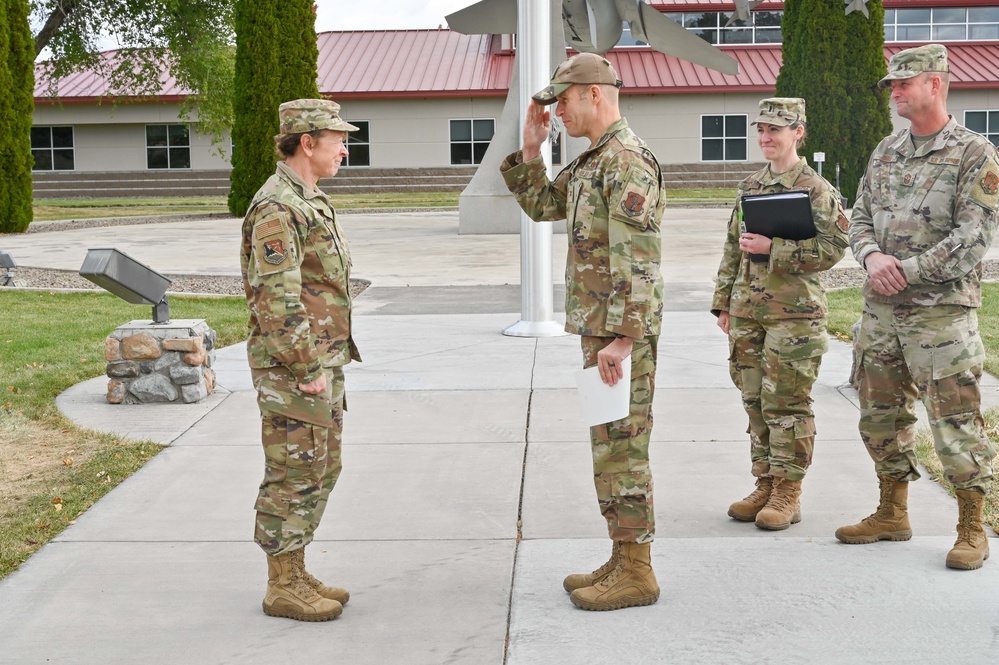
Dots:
pixel 90 87
pixel 399 63
pixel 441 63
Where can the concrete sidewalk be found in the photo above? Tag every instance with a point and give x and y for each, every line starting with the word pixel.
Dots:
pixel 467 495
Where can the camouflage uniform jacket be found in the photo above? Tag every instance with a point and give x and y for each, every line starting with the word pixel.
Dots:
pixel 296 269
pixel 613 198
pixel 788 286
pixel 933 208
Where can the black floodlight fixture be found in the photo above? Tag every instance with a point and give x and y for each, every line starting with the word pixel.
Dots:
pixel 133 282
pixel 7 265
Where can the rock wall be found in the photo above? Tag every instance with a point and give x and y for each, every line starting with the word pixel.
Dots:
pixel 160 363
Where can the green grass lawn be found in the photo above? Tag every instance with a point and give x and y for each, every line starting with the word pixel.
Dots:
pixel 47 210
pixel 51 470
pixel 845 306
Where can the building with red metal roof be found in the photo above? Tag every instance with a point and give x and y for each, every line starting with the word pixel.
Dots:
pixel 431 98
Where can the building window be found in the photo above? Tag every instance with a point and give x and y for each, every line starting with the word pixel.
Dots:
pixel 763 28
pixel 942 24
pixel 168 147
pixel 469 140
pixel 723 138
pixel 358 145
pixel 985 123
pixel 52 148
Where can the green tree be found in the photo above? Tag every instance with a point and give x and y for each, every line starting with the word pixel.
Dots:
pixel 834 61
pixel 276 60
pixel 17 77
pixel 193 39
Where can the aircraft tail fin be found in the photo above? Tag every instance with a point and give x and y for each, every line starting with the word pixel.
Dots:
pixel 668 36
pixel 487 17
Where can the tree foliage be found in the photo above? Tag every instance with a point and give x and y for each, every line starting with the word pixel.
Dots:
pixel 276 60
pixel 834 61
pixel 17 79
pixel 193 39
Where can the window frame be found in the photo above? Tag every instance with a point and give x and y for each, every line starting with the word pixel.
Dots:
pixel 472 142
pixel 991 132
pixel 52 148
pixel 169 148
pixel 351 143
pixel 724 138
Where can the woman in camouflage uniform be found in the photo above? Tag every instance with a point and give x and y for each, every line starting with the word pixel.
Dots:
pixel 774 313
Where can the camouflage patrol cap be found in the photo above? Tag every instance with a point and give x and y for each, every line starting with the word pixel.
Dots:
pixel 308 115
pixel 913 61
pixel 586 68
pixel 781 111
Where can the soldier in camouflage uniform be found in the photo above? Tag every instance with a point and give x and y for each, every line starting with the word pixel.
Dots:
pixel 612 197
pixel 296 267
pixel 925 216
pixel 774 312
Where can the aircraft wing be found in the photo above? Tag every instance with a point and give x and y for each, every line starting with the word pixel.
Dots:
pixel 488 17
pixel 668 36
pixel 742 9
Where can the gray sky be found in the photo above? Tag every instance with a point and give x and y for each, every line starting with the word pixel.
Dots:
pixel 384 14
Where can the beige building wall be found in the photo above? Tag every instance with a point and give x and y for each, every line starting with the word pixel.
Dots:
pixel 113 138
pixel 415 133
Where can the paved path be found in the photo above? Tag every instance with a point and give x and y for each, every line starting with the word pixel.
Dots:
pixel 466 496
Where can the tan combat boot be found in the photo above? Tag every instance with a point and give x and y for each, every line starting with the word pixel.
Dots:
pixel 972 546
pixel 289 596
pixel 889 522
pixel 631 583
pixel 747 509
pixel 333 593
pixel 783 507
pixel 583 580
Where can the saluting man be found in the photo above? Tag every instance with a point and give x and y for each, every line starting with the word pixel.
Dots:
pixel 296 270
pixel 924 218
pixel 612 197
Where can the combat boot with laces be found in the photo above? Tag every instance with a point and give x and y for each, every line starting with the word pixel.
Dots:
pixel 889 522
pixel 630 584
pixel 583 580
pixel 747 509
pixel 333 593
pixel 972 546
pixel 783 507
pixel 289 596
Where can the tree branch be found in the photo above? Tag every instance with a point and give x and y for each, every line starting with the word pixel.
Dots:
pixel 54 22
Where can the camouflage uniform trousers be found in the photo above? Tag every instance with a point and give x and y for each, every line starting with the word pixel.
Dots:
pixel 621 449
pixel 935 352
pixel 301 466
pixel 774 364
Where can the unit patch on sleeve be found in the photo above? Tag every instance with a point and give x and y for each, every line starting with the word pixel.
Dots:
pixel 985 191
pixel 273 245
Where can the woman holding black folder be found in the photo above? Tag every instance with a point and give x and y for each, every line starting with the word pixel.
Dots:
pixel 770 301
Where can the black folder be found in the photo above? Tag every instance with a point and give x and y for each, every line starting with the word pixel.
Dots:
pixel 786 215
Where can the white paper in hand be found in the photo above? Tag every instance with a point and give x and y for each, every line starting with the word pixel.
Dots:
pixel 602 403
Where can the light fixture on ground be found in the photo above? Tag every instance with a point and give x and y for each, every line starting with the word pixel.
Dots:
pixel 7 266
pixel 134 282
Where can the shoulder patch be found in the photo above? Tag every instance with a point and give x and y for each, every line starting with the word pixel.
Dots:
pixel 639 197
pixel 985 191
pixel 273 245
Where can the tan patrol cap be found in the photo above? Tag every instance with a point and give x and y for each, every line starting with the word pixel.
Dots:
pixel 308 115
pixel 585 68
pixel 781 111
pixel 913 61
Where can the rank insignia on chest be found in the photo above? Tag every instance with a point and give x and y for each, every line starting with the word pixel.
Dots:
pixel 274 251
pixel 907 179
pixel 990 183
pixel 633 204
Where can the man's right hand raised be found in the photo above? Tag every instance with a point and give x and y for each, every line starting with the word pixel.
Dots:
pixel 537 125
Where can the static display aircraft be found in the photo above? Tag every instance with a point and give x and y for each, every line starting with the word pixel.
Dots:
pixel 596 26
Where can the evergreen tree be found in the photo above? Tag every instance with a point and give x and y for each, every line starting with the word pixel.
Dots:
pixel 17 77
pixel 276 60
pixel 834 61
